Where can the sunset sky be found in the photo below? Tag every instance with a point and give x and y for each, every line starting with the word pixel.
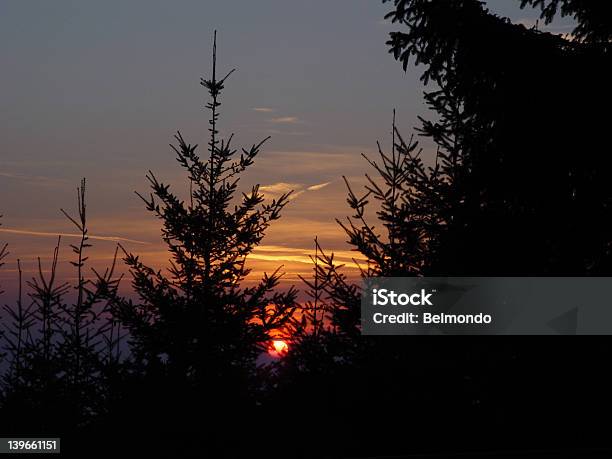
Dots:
pixel 97 89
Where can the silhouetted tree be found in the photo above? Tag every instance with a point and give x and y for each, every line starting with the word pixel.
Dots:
pixel 86 325
pixel 407 196
pixel 527 200
pixel 321 369
pixel 505 194
pixel 593 18
pixel 3 255
pixel 314 311
pixel 196 333
pixel 322 331
pixel 17 334
pixel 56 346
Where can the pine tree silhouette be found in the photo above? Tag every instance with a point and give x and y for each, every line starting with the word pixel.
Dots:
pixel 407 196
pixel 323 363
pixel 318 332
pixel 196 333
pixel 504 194
pixel 56 347
pixel 526 200
pixel 3 254
pixel 593 18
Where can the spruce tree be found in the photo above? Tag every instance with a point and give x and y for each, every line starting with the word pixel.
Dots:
pixel 405 195
pixel 197 330
pixel 525 200
pixel 57 344
pixel 329 318
pixel 592 18
pixel 3 255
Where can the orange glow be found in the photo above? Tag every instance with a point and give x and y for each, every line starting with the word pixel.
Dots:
pixel 278 348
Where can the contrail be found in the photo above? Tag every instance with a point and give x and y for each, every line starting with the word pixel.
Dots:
pixel 47 234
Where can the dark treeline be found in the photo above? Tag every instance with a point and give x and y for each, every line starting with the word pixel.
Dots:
pixel 519 186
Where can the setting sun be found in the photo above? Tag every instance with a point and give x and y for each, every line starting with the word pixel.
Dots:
pixel 279 348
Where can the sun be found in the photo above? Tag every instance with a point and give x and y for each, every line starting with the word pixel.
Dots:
pixel 278 348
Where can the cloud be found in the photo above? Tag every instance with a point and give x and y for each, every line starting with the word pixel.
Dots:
pixel 290 255
pixel 276 189
pixel 263 109
pixel 317 187
pixel 27 232
pixel 285 120
pixel 34 179
pixel 346 255
pixel 279 188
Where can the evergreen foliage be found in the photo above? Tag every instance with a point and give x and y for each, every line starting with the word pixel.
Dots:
pixel 196 332
pixel 525 199
pixel 58 344
pixel 593 18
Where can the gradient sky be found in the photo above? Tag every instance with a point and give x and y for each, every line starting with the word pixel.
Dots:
pixel 96 89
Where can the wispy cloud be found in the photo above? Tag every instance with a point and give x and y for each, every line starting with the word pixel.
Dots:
pixel 279 188
pixel 263 109
pixel 285 120
pixel 302 255
pixel 296 193
pixel 26 232
pixel 276 189
pixel 317 187
pixel 33 179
